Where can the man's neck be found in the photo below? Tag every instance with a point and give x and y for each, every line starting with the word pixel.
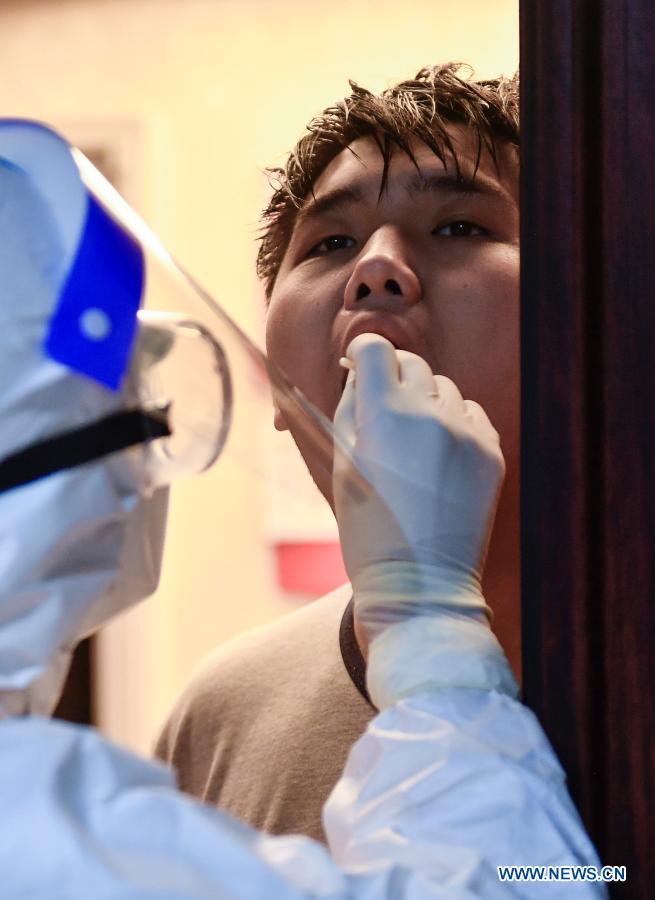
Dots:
pixel 501 582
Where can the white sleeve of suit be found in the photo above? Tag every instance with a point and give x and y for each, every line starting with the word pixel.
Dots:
pixel 443 787
pixel 448 782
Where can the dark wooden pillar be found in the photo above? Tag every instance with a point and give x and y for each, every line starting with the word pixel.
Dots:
pixel 588 367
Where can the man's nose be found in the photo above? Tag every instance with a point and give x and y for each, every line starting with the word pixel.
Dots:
pixel 383 274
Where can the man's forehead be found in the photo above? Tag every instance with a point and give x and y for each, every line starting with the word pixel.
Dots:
pixel 361 163
pixel 357 171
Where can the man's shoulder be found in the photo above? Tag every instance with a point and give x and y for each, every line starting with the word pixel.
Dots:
pixel 312 629
pixel 264 726
pixel 296 655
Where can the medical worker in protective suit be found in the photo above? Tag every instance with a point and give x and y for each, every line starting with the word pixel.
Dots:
pixel 453 778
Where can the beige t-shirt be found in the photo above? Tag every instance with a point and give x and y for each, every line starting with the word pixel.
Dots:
pixel 264 727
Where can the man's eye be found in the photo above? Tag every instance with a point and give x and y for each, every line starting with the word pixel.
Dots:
pixel 460 229
pixel 332 243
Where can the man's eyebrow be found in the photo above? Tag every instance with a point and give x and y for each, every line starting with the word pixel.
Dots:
pixel 328 203
pixel 452 183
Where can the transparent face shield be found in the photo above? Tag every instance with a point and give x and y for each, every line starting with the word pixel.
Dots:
pixel 126 316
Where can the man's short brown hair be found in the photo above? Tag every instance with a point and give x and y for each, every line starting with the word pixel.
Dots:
pixel 420 108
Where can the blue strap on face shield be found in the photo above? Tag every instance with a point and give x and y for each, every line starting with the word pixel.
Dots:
pixel 93 328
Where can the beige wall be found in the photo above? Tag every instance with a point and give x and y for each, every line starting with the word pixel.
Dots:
pixel 200 95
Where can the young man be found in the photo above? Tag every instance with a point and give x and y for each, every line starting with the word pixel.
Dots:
pixel 396 215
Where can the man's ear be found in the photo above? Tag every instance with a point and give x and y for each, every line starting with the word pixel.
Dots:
pixel 278 416
pixel 278 419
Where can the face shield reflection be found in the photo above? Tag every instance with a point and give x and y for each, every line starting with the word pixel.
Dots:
pixel 180 373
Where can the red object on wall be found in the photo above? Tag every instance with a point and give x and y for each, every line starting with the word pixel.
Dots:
pixel 314 567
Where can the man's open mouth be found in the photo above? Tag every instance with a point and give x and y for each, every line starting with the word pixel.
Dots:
pixel 388 325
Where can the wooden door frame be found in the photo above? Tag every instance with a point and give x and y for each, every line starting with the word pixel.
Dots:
pixel 588 409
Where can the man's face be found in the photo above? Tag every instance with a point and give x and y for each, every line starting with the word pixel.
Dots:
pixel 431 264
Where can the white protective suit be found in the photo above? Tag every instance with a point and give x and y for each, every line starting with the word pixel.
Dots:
pixel 453 777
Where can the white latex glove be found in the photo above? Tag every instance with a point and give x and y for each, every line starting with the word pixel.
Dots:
pixel 415 545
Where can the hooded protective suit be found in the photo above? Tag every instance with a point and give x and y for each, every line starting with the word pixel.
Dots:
pixel 453 778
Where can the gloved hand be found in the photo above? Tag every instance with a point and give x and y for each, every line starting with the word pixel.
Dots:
pixel 414 545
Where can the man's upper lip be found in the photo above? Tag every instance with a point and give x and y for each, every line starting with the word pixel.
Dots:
pixel 388 325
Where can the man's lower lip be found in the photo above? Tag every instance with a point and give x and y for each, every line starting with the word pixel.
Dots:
pixel 393 341
pixel 344 374
pixel 390 326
